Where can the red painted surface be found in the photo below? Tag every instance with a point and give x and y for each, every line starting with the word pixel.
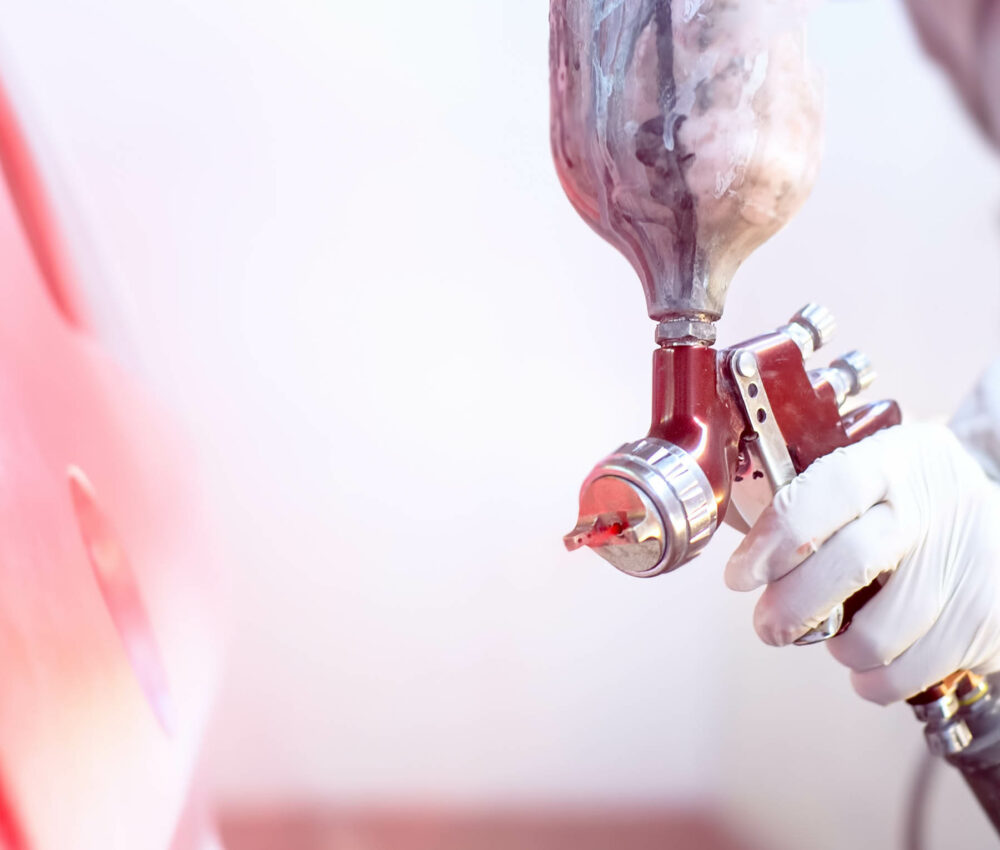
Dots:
pixel 119 587
pixel 85 760
pixel 27 191
pixel 593 828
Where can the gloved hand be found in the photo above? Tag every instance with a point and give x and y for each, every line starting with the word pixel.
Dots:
pixel 908 503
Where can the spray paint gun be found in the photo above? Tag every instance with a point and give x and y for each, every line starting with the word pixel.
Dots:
pixel 730 428
pixel 686 135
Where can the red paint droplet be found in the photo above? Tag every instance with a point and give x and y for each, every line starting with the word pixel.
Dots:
pixel 604 531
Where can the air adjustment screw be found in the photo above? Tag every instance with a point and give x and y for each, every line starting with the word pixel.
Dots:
pixel 818 321
pixel 858 367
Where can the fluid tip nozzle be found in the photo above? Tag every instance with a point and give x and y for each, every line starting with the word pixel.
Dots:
pixel 645 509
pixel 598 531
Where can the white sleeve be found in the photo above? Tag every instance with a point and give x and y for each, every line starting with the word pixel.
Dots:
pixel 976 423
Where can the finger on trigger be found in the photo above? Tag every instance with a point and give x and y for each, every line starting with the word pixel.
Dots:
pixel 901 613
pixel 849 561
pixel 832 492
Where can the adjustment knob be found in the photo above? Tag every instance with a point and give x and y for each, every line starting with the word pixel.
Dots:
pixel 818 321
pixel 859 370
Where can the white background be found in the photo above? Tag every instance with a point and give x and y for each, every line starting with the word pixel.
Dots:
pixel 330 234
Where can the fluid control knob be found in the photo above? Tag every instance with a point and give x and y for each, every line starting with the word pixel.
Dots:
pixel 858 367
pixel 847 376
pixel 812 328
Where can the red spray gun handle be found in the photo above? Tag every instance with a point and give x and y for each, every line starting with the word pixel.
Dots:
pixel 792 417
pixel 789 428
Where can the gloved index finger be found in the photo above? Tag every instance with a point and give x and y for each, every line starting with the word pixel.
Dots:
pixel 833 491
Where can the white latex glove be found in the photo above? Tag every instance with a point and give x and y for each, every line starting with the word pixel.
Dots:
pixel 909 502
pixel 977 422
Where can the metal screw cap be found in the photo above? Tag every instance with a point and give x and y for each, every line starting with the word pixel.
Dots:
pixel 937 711
pixel 971 688
pixel 818 321
pixel 858 367
pixel 685 331
pixel 948 740
pixel 746 364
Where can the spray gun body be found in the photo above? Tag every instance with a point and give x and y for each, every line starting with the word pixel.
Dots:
pixel 730 428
